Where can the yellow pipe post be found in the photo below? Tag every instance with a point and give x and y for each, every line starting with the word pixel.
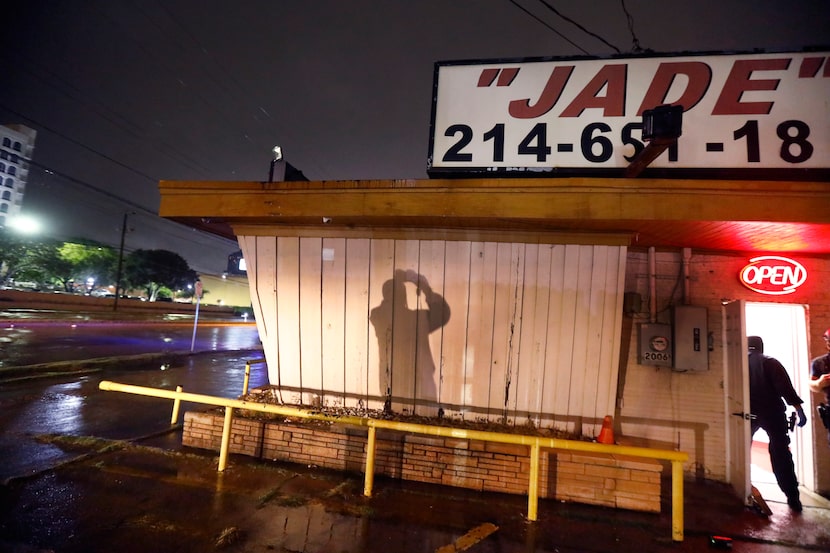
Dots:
pixel 176 403
pixel 677 500
pixel 247 378
pixel 533 486
pixel 248 374
pixel 369 477
pixel 226 439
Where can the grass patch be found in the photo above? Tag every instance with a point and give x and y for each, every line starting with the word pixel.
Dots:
pixel 82 443
pixel 228 537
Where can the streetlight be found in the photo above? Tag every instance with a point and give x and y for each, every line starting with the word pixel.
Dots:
pixel 25 224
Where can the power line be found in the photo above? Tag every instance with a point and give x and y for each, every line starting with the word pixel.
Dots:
pixel 77 143
pixel 87 185
pixel 97 107
pixel 118 120
pixel 534 16
pixel 580 27
pixel 171 225
pixel 132 205
pixel 635 42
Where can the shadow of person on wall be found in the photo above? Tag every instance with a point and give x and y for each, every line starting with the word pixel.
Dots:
pixel 403 339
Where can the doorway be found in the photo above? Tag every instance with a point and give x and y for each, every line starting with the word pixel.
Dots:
pixel 783 328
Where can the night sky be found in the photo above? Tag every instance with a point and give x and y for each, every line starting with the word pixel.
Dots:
pixel 129 92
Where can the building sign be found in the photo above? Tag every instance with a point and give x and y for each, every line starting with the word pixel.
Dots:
pixel 773 275
pixel 741 113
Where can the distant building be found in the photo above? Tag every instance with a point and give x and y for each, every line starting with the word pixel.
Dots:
pixel 17 144
pixel 226 289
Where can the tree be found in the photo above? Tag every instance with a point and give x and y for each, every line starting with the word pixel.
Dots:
pixel 27 259
pixel 13 250
pixel 91 259
pixel 152 270
pixel 44 263
pixel 62 263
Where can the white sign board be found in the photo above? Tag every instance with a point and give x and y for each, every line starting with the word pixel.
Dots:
pixel 742 112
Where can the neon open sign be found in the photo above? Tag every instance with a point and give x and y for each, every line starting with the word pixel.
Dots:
pixel 773 275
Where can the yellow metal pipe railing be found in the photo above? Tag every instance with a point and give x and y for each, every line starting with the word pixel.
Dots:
pixel 677 458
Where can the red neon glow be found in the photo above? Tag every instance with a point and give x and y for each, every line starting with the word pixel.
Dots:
pixel 773 275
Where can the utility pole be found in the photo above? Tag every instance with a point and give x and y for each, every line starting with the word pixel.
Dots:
pixel 120 263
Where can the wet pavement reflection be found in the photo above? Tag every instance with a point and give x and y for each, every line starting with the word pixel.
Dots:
pixel 73 405
pixel 27 342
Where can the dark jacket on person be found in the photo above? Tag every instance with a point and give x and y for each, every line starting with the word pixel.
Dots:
pixel 768 384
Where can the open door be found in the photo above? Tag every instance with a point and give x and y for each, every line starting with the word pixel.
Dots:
pixel 783 327
pixel 736 368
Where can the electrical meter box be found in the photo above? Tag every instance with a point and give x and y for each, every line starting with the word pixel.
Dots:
pixel 655 345
pixel 690 338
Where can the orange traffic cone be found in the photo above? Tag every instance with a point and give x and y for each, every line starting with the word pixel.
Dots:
pixel 606 435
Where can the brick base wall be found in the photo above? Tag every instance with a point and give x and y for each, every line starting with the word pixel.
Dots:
pixel 612 481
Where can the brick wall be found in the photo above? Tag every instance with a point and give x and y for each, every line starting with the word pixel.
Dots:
pixel 612 481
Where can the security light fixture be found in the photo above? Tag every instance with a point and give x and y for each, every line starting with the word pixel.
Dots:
pixel 662 126
pixel 276 159
pixel 281 170
pixel 663 123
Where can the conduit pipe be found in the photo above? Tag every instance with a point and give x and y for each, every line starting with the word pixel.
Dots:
pixel 652 285
pixel 687 284
pixel 677 458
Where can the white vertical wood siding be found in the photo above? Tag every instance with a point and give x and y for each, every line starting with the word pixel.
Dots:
pixel 521 333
